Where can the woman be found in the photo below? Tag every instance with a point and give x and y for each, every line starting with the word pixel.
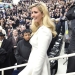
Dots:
pixel 42 30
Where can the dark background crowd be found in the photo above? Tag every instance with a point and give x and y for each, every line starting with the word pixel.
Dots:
pixel 19 15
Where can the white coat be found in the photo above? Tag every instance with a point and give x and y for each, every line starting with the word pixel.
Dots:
pixel 38 63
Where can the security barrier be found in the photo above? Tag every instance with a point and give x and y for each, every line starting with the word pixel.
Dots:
pixel 55 58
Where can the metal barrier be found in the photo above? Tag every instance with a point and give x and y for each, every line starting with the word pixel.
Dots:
pixel 73 73
pixel 59 57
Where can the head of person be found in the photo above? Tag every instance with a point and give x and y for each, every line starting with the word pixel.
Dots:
pixel 26 34
pixel 22 28
pixel 40 16
pixel 2 36
pixel 2 33
pixel 15 32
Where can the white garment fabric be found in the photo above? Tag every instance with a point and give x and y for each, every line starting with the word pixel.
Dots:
pixel 1 43
pixel 38 63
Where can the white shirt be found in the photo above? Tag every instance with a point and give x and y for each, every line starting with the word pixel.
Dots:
pixel 1 43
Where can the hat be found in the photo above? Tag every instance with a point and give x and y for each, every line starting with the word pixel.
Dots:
pixel 1 34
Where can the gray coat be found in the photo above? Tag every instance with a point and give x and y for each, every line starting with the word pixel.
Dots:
pixel 23 51
pixel 71 49
pixel 72 40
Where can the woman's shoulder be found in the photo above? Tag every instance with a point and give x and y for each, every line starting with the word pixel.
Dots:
pixel 44 28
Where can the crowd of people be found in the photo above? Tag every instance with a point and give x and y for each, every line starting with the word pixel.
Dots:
pixel 16 31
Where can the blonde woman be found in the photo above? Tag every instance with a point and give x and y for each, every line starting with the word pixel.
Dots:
pixel 42 31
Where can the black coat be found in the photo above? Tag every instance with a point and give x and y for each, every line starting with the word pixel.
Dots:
pixel 3 55
pixel 6 45
pixel 23 51
pixel 14 43
pixel 71 49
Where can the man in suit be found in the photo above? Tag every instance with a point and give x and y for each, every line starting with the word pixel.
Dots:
pixel 6 46
pixel 71 49
pixel 14 40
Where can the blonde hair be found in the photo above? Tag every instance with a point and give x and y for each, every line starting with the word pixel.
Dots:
pixel 46 18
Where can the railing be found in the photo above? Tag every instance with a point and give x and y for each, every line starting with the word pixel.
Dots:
pixel 59 57
pixel 73 73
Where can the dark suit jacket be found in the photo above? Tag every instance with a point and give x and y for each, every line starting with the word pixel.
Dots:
pixel 22 52
pixel 3 54
pixel 6 44
pixel 14 43
pixel 71 49
pixel 72 40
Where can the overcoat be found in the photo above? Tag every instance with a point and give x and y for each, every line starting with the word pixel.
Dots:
pixel 6 45
pixel 22 52
pixel 38 63
pixel 71 49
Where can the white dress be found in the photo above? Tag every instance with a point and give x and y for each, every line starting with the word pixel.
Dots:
pixel 38 63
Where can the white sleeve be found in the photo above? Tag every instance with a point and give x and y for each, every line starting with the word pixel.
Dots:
pixel 44 39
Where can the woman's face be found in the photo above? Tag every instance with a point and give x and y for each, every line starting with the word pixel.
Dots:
pixel 36 15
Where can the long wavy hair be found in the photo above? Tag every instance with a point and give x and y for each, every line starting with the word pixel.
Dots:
pixel 46 18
